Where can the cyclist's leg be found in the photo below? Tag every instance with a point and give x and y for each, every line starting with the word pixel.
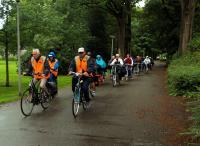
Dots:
pixel 85 88
pixel 74 82
pixel 43 86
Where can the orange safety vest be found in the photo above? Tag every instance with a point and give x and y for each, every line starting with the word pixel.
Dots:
pixel 38 67
pixel 52 64
pixel 81 65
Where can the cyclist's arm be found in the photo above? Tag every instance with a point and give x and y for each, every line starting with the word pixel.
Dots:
pixel 46 67
pixel 121 62
pixel 72 66
pixel 132 61
pixel 91 66
pixel 56 65
pixel 113 62
pixel 29 70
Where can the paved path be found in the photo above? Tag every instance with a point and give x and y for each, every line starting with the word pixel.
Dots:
pixel 137 113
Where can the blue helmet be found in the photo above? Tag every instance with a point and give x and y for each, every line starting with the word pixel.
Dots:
pixel 52 54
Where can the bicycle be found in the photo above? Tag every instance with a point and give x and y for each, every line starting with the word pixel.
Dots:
pixel 32 97
pixel 128 71
pixel 78 97
pixel 115 75
pixel 136 68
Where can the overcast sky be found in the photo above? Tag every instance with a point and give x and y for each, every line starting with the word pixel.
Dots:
pixel 141 4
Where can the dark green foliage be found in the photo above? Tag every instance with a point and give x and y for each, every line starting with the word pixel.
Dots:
pixel 194 44
pixel 98 44
pixel 184 74
pixel 156 28
pixel 184 80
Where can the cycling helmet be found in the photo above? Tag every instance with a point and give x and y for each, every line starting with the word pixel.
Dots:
pixel 52 54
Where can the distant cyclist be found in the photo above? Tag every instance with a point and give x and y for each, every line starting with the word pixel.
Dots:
pixel 101 65
pixel 94 79
pixel 118 61
pixel 129 61
pixel 53 64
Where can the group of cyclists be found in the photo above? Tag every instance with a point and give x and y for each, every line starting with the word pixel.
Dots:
pixel 92 70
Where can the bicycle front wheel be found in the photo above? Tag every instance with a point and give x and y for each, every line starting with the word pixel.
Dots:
pixel 114 80
pixel 75 108
pixel 26 103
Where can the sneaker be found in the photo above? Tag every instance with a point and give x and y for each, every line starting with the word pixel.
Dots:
pixel 93 93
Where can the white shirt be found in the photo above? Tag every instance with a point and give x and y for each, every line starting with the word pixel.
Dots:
pixel 115 60
pixel 147 61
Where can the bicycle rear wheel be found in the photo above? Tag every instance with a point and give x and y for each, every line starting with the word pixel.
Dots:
pixel 45 99
pixel 90 92
pixel 26 103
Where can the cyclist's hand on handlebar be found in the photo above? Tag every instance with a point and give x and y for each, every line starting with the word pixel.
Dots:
pixel 86 74
pixel 70 73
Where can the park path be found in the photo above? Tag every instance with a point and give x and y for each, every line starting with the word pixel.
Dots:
pixel 137 113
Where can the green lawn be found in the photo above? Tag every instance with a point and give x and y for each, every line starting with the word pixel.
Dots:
pixel 8 94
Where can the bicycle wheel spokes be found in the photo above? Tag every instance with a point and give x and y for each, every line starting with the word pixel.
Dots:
pixel 26 103
pixel 45 99
pixel 75 108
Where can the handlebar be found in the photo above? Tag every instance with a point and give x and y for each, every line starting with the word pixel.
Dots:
pixel 32 74
pixel 128 65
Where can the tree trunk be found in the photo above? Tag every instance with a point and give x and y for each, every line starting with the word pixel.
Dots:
pixel 121 35
pixel 6 58
pixel 6 51
pixel 128 29
pixel 187 16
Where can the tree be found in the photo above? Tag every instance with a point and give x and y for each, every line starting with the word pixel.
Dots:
pixel 121 10
pixel 187 17
pixel 5 11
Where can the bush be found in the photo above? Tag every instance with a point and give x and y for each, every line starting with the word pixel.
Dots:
pixel 184 74
pixel 194 44
pixel 184 80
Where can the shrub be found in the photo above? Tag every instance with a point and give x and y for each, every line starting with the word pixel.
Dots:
pixel 184 80
pixel 194 44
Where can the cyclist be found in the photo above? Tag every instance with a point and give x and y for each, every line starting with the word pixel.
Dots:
pixel 101 65
pixel 83 65
pixel 129 61
pixel 120 62
pixel 53 64
pixel 40 69
pixel 109 66
pixel 93 78
pixel 147 62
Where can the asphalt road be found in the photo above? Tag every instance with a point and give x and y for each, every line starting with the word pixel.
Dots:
pixel 133 114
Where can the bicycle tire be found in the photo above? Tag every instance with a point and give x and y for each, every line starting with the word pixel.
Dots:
pixel 25 97
pixel 114 82
pixel 45 99
pixel 84 103
pixel 90 92
pixel 75 108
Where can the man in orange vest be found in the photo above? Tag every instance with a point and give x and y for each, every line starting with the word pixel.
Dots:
pixel 53 64
pixel 40 68
pixel 84 65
